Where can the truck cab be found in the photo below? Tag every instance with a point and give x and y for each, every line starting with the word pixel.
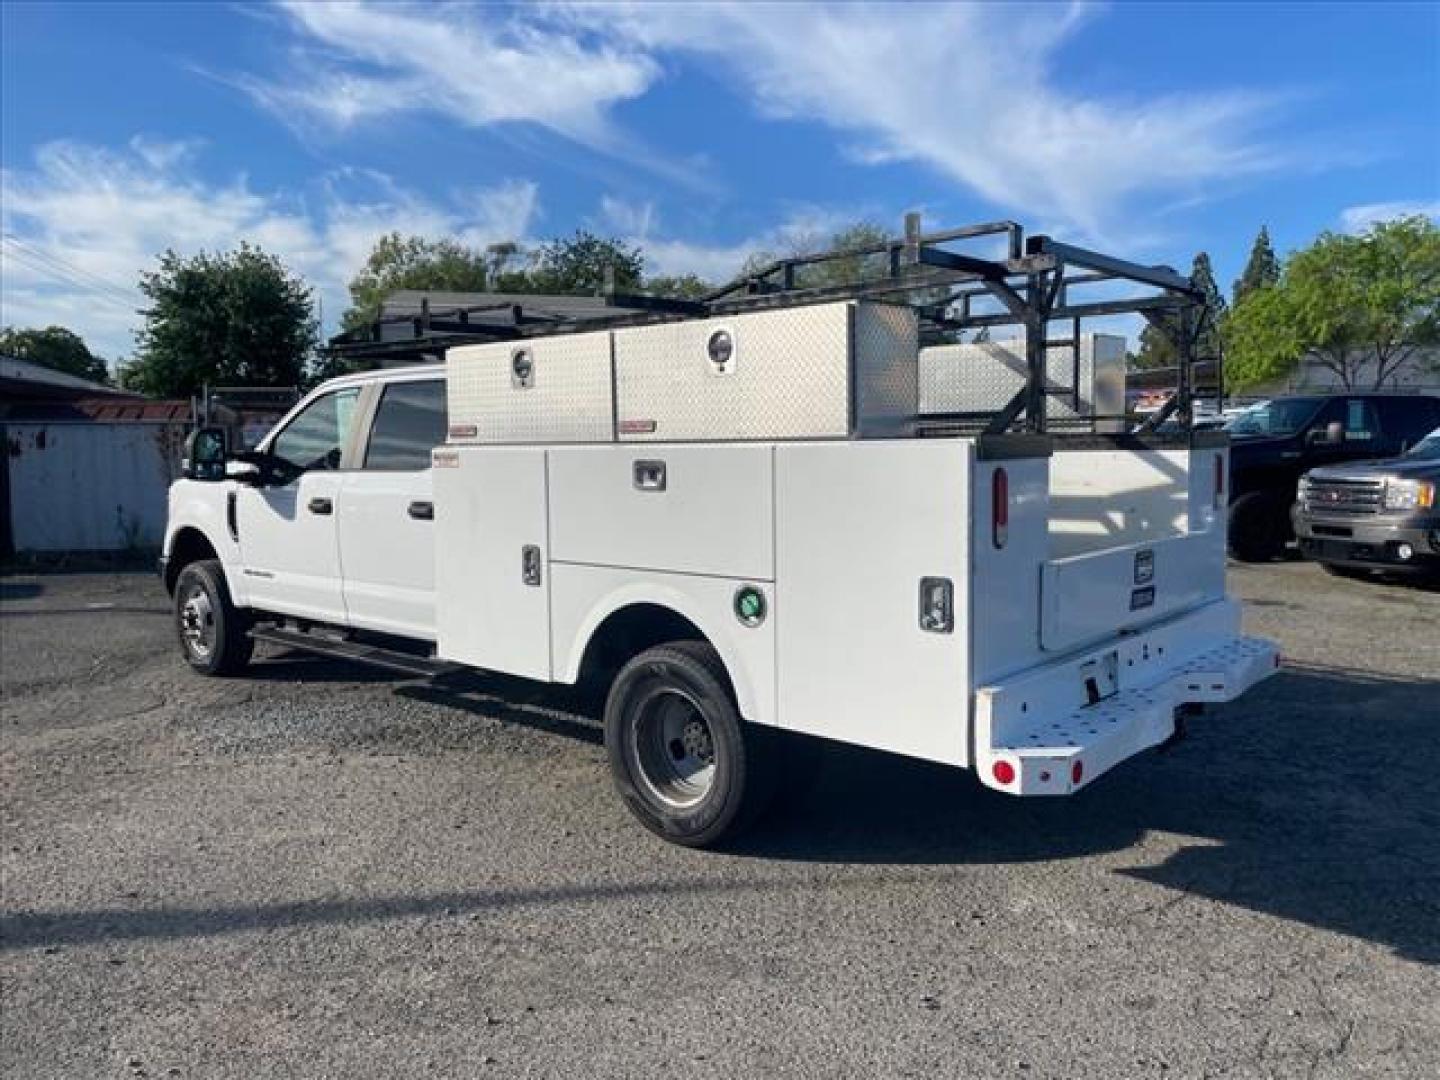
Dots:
pixel 342 481
pixel 1274 443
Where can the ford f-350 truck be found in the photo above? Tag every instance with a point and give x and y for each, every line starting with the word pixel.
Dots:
pixel 738 523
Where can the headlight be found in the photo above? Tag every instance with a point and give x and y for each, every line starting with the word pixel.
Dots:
pixel 1409 494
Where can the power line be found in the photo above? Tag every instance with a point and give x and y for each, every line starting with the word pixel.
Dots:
pixel 98 294
pixel 66 273
pixel 73 274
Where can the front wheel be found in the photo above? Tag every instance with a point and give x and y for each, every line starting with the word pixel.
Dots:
pixel 684 761
pixel 214 633
pixel 1259 526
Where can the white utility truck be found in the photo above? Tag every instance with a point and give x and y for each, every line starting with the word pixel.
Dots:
pixel 733 516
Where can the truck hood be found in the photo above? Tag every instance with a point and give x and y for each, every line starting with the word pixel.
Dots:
pixel 1378 470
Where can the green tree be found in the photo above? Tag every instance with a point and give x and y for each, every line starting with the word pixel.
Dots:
pixel 415 262
pixel 1262 269
pixel 1360 305
pixel 1157 348
pixel 236 317
pixel 854 237
pixel 684 286
pixel 55 348
pixel 576 265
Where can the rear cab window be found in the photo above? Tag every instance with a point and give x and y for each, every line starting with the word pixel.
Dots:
pixel 409 423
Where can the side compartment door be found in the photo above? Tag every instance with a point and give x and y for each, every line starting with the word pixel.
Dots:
pixel 387 513
pixel 289 548
pixel 492 561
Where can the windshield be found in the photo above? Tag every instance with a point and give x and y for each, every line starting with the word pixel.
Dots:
pixel 1427 449
pixel 1283 417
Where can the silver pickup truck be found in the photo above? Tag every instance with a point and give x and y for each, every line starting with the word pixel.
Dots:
pixel 1374 515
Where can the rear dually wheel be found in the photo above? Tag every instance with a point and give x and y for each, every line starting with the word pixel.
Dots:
pixel 682 758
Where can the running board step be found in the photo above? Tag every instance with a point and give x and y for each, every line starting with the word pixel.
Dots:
pixel 359 652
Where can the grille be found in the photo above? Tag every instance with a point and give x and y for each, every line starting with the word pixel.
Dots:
pixel 1344 496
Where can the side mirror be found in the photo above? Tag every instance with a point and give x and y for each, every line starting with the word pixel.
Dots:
pixel 1332 434
pixel 205 454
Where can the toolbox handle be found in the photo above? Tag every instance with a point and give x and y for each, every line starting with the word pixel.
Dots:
pixel 649 476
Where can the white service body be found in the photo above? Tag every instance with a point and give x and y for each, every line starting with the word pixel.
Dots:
pixel 579 484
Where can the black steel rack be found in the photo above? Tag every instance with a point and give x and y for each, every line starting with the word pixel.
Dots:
pixel 1017 280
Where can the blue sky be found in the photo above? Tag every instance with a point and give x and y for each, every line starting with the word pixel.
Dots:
pixel 700 132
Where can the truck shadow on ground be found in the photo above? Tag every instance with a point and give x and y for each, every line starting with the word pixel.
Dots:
pixel 1312 799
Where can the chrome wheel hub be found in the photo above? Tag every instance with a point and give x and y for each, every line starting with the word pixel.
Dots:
pixel 197 623
pixel 674 749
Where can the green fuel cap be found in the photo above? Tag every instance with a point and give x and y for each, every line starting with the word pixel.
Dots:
pixel 750 605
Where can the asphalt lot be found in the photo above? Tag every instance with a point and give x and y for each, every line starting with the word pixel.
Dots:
pixel 326 872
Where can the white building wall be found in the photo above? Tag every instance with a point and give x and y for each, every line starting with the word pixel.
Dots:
pixel 90 486
pixel 1420 373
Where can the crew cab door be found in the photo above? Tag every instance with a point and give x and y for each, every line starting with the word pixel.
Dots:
pixel 289 544
pixel 386 512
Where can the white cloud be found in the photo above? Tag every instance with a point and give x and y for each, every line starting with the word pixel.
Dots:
pixel 803 228
pixel 361 61
pixel 84 222
pixel 1356 219
pixel 969 90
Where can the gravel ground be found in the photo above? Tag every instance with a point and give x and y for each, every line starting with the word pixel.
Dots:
pixel 323 872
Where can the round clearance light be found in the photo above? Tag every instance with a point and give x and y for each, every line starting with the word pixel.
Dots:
pixel 720 347
pixel 750 605
pixel 1003 772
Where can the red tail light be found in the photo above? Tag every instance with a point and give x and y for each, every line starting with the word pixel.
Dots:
pixel 1004 772
pixel 999 507
pixel 1219 481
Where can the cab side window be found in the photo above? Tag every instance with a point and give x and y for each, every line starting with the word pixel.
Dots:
pixel 1361 423
pixel 315 439
pixel 409 423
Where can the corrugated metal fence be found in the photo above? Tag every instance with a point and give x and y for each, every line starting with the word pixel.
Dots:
pixel 95 486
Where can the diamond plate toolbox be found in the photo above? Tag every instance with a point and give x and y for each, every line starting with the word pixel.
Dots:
pixel 983 377
pixel 832 370
pixel 542 390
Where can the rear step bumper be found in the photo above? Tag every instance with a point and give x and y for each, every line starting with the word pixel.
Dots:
pixel 1035 734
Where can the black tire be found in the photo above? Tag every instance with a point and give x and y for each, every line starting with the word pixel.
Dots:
pixel 213 632
pixel 682 758
pixel 1259 526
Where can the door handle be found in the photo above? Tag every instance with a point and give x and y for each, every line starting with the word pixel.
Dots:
pixel 421 511
pixel 321 505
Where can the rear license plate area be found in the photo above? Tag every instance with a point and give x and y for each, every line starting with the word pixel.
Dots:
pixel 1100 678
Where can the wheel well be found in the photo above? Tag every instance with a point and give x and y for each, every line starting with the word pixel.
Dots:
pixel 188 546
pixel 627 633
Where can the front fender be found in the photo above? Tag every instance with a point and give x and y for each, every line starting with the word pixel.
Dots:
pixel 202 506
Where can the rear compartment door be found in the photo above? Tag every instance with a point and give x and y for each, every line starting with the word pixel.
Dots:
pixel 1091 597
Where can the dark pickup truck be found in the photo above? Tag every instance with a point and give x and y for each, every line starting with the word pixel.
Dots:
pixel 1276 442
pixel 1374 515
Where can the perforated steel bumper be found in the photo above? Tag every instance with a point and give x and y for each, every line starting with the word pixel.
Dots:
pixel 1029 742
